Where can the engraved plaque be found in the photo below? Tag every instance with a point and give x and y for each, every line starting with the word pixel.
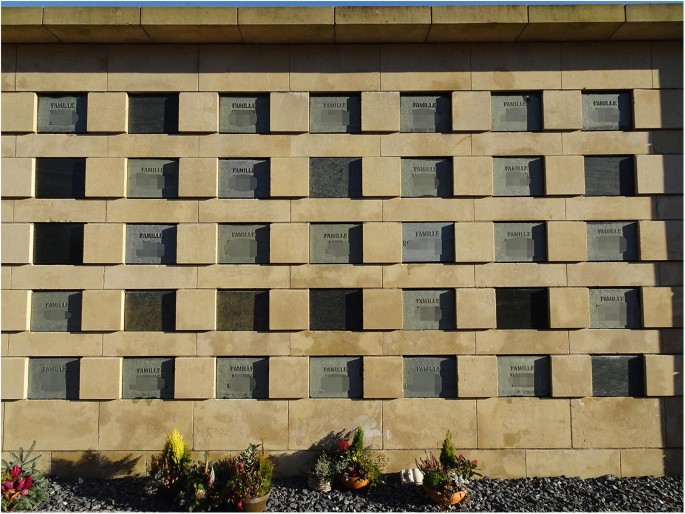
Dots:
pixel 430 377
pixel 427 242
pixel 425 113
pixel 62 113
pixel 334 114
pixel 243 178
pixel 55 311
pixel 242 377
pixel 426 178
pixel 520 242
pixel 335 177
pixel 614 308
pixel 335 309
pixel 523 375
pixel 518 176
pixel 335 243
pixel 54 379
pixel 516 112
pixel 617 375
pixel 429 309
pixel 150 377
pixel 60 178
pixel 242 310
pixel 335 377
pixel 58 243
pixel 609 176
pixel 244 114
pixel 150 311
pixel 153 114
pixel 243 244
pixel 150 244
pixel 612 241
pixel 607 111
pixel 522 308
pixel 152 178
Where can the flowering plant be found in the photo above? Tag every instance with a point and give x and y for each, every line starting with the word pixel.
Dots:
pixel 245 476
pixel 169 470
pixel 23 487
pixel 350 459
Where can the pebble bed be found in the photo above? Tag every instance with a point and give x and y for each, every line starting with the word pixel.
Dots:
pixel 559 494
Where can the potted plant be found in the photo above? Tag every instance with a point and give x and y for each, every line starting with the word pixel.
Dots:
pixel 23 486
pixel 354 465
pixel 167 472
pixel 246 479
pixel 446 480
pixel 319 478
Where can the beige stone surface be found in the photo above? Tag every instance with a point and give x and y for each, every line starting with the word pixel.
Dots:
pixel 472 176
pixel 604 65
pixel 6 277
pixel 614 341
pixel 569 307
pixel 336 210
pixel 17 243
pixel 667 64
pixel 571 376
pixel 233 424
pixel 517 143
pixel 54 344
pixel 152 211
pixel 194 378
pixel 383 377
pixel 471 111
pixel 476 308
pixel 477 22
pixel 95 24
pixel 195 309
pixel 242 343
pixel 405 427
pixel 609 208
pixel 198 177
pixel 61 145
pixel 380 111
pixel 61 68
pixel 389 24
pixel 153 68
pixel 520 274
pixel 662 307
pixel 428 342
pixel 566 241
pixel 658 174
pixel 242 210
pixel 8 66
pixel 191 25
pixel 575 463
pixel 336 343
pixel 196 243
pixel 611 274
pixel 310 420
pixel 382 309
pixel 654 462
pixel 427 275
pixel 104 243
pixel 475 242
pixel 288 309
pixel 425 67
pixel 8 145
pixel 572 22
pixel 100 378
pixel 289 112
pixel 15 377
pixel 18 177
pixel 287 24
pixel 491 463
pixel 107 112
pixel 594 422
pixel 289 243
pixel 99 465
pixel 289 177
pixel 198 112
pixel 19 112
pixel 102 311
pixel 288 377
pixel 606 143
pixel 476 376
pixel 53 424
pixel 335 145
pixel 659 109
pixel 24 25
pixel 382 242
pixel 242 276
pixel 106 177
pixel 561 110
pixel 664 375
pixel 521 342
pixel 660 240
pixel 519 67
pixel 424 144
pixel 564 175
pixel 140 344
pixel 381 176
pixel 321 68
pixel 523 209
pixel 268 68
pixel 7 210
pixel 243 145
pixel 428 209
pixel 57 277
pixel 153 145
pixel 48 210
pixel 646 21
pixel 673 407
pixel 150 276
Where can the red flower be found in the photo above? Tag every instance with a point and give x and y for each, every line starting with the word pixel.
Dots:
pixel 474 462
pixel 15 471
pixel 29 481
pixel 240 504
pixel 343 445
pixel 8 484
pixel 20 483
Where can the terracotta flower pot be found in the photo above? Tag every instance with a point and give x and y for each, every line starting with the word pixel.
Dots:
pixel 354 483
pixel 256 504
pixel 440 500
pixel 321 485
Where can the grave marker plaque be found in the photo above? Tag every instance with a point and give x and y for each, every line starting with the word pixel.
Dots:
pixel 612 241
pixel 617 375
pixel 150 244
pixel 425 113
pixel 152 178
pixel 428 242
pixel 334 114
pixel 244 114
pixel 243 244
pixel 55 311
pixel 522 308
pixel 518 176
pixel 335 309
pixel 335 377
pixel 243 178
pixel 150 377
pixel 58 243
pixel 516 112
pixel 607 111
pixel 150 311
pixel 429 309
pixel 335 243
pixel 54 379
pixel 242 377
pixel 609 176
pixel 430 377
pixel 60 178
pixel 335 177
pixel 242 310
pixel 520 242
pixel 614 308
pixel 62 114
pixel 426 178
pixel 153 114
pixel 524 375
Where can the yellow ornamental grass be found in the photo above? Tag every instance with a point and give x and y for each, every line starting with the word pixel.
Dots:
pixel 176 448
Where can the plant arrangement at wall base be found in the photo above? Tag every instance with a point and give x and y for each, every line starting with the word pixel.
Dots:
pixel 319 478
pixel 23 486
pixel 353 463
pixel 168 472
pixel 445 480
pixel 247 479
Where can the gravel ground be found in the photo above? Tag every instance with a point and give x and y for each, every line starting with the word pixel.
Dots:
pixel 605 494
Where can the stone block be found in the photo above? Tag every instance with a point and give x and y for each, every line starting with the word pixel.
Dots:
pixel 288 377
pixel 53 379
pixel 516 112
pixel 216 343
pixel 512 67
pixel 564 175
pixel 518 176
pixel 657 174
pixel 381 176
pixel 44 344
pixel 150 311
pixel 607 111
pixel 423 144
pixel 18 177
pixel 425 113
pixel 288 309
pixel 60 178
pixel 428 242
pixel 577 463
pixel 609 176
pixel 657 109
pixel 423 342
pixel 392 24
pixel 152 178
pixel 571 376
pixel 195 309
pixel 235 276
pixel 103 311
pixel 107 112
pixel 20 112
pixel 57 277
pixel 15 374
pixel 148 378
pixel 289 177
pixel 62 114
pixel 561 110
pixel 198 177
pixel 17 243
pixel 613 142
pixel 55 311
pixel 196 243
pixel 335 114
pixel 104 243
pixel 617 375
pixel 243 244
pixel 612 241
pixel 58 243
pixel 662 307
pixel 331 177
pixel 430 377
pixel 244 114
pixel 61 68
pixel 152 114
pixel 429 309
pixel 382 309
pixel 269 67
pixel 427 275
pixel 477 376
pixel 663 375
pixel 427 178
pixel 289 112
pixel 472 176
pixel 523 375
pixel 150 244
pixel 566 241
pixel 568 307
pixel 198 112
pixel 425 67
pixel 335 243
pixel 382 242
pixel 476 308
pixel 335 377
pixel 334 68
pixel 520 242
pixel 242 310
pixel 242 377
pixel 106 177
pixel 522 308
pixel 382 377
pixel 653 462
pixel 471 111
pixel 380 111
pixel 615 308
pixel 475 242
pixel 100 378
pixel 335 309
pixel 289 243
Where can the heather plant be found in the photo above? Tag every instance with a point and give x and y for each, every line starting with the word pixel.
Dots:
pixel 23 486
pixel 241 477
pixel 351 459
pixel 168 472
